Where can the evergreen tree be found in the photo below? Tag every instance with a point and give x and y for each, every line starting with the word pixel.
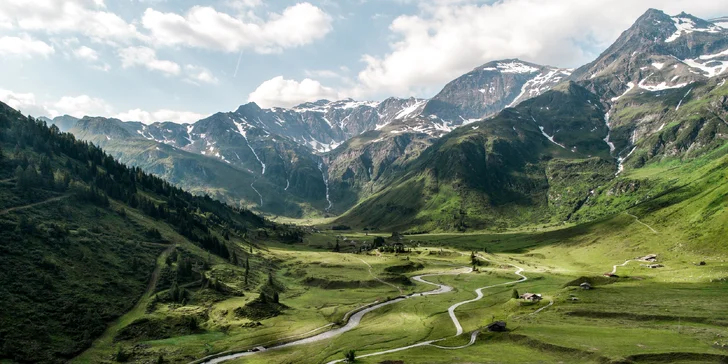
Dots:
pixel 2 156
pixel 515 294
pixel 337 248
pixel 275 297
pixel 175 292
pixel 350 356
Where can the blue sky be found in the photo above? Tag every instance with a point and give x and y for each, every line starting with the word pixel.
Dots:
pixel 154 60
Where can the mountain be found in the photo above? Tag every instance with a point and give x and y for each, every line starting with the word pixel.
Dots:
pixel 85 238
pixel 656 96
pixel 280 149
pixel 64 123
pixel 501 171
pixel 367 163
pixel 491 88
pixel 221 167
pixel 659 54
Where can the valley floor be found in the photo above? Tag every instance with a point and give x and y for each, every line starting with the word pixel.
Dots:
pixel 674 313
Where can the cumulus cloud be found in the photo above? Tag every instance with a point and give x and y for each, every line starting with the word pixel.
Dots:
pixel 147 58
pixel 197 75
pixel 87 17
pixel 86 54
pixel 181 117
pixel 205 27
pixel 84 105
pixel 449 37
pixel 286 93
pixel 24 46
pixel 24 102
pixel 79 106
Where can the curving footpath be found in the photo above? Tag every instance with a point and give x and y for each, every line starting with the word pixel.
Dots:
pixel 614 269
pixel 479 292
pixel 379 279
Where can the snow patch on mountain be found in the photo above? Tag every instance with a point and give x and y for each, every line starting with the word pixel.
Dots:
pixel 659 87
pixel 630 87
pixel 514 67
pixel 243 132
pixel 711 68
pixel 409 110
pixel 686 25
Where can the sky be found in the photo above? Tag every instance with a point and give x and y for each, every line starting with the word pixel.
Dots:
pixel 182 60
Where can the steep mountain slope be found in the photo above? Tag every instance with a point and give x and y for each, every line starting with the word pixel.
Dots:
pixel 82 235
pixel 659 53
pixel 530 164
pixel 228 169
pixel 491 88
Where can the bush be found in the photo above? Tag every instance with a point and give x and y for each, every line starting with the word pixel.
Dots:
pixel 350 356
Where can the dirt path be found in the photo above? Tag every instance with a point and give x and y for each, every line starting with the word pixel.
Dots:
pixel 638 220
pixel 106 339
pixel 479 292
pixel 379 279
pixel 614 269
pixel 6 211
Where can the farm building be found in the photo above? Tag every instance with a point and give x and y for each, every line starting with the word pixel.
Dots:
pixel 498 326
pixel 531 297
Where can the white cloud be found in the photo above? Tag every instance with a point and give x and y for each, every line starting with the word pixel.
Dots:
pixel 196 75
pixel 181 117
pixel 79 106
pixel 205 27
pixel 87 17
pixel 147 58
pixel 286 93
pixel 449 37
pixel 24 102
pixel 24 46
pixel 86 54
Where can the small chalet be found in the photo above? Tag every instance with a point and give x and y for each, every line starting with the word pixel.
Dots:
pixel 533 297
pixel 585 285
pixel 649 258
pixel 498 326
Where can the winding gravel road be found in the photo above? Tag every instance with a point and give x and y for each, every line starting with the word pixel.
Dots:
pixel 352 323
pixel 356 318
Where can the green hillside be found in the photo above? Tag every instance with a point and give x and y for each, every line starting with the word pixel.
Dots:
pixel 85 238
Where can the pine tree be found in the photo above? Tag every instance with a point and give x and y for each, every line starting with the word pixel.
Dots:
pixel 515 294
pixel 2 156
pixel 275 297
pixel 174 292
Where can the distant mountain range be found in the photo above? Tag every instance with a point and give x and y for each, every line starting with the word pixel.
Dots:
pixel 491 145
